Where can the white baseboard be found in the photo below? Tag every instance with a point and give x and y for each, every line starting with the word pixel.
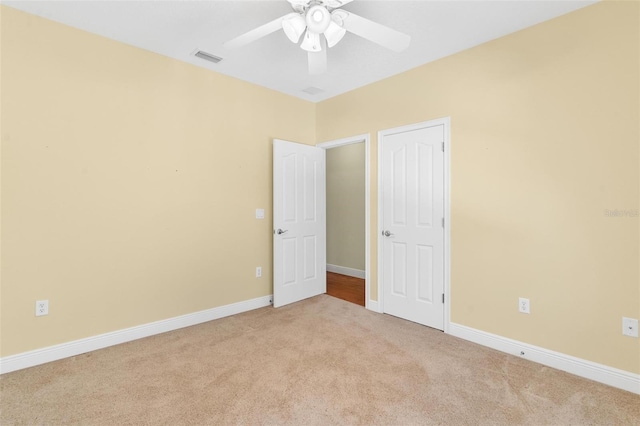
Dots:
pixel 373 305
pixel 600 373
pixel 77 347
pixel 357 273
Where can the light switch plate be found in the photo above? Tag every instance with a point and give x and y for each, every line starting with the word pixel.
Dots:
pixel 259 213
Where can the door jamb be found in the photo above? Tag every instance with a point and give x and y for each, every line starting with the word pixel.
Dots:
pixel 365 138
pixel 446 121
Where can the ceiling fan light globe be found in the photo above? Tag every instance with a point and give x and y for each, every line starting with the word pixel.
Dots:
pixel 294 27
pixel 334 34
pixel 311 42
pixel 318 19
pixel 338 16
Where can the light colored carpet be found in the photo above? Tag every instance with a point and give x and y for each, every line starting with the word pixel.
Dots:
pixel 321 361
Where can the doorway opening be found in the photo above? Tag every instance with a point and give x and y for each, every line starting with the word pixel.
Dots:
pixel 347 215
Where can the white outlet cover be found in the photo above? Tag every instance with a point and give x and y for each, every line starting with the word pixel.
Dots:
pixel 258 271
pixel 259 213
pixel 524 305
pixel 630 327
pixel 42 307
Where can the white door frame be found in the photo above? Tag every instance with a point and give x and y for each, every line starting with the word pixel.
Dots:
pixel 446 121
pixel 365 138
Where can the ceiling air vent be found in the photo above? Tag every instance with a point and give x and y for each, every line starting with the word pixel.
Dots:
pixel 207 56
pixel 312 90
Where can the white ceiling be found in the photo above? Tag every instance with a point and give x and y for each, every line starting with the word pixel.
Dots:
pixel 180 27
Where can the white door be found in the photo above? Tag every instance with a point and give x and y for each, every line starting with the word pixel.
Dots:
pixel 299 236
pixel 412 167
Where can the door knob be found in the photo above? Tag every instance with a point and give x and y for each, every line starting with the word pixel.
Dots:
pixel 387 233
pixel 280 231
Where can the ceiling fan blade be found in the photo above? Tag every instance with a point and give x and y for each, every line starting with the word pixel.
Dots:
pixel 257 33
pixel 377 33
pixel 334 4
pixel 318 60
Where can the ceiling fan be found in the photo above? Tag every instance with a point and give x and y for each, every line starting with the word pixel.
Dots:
pixel 322 24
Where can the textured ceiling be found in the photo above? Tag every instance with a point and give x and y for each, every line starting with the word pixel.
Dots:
pixel 178 28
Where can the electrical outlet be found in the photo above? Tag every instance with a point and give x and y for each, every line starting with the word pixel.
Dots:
pixel 42 307
pixel 523 305
pixel 258 271
pixel 630 327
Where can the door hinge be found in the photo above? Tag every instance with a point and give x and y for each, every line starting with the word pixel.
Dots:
pixel 443 222
pixel 442 297
pixel 442 146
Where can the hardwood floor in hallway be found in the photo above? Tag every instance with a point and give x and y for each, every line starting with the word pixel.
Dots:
pixel 346 288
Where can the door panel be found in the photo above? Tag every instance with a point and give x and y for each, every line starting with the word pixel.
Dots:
pixel 425 273
pixel 399 186
pixel 399 265
pixel 288 267
pixel 299 252
pixel 425 186
pixel 412 167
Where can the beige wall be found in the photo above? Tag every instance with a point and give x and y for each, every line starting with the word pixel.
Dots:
pixel 545 138
pixel 346 206
pixel 129 184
